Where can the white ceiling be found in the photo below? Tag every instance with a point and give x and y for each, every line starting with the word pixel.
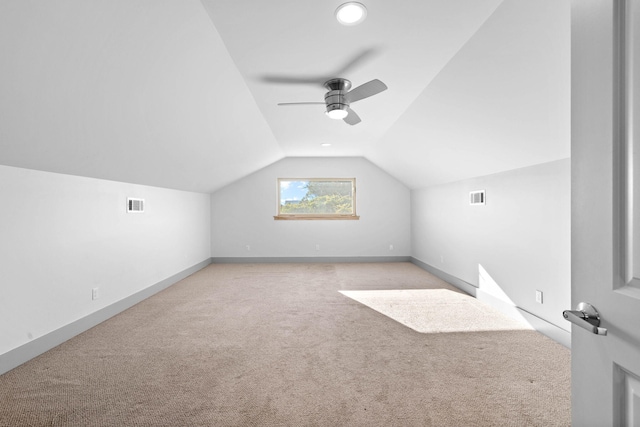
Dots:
pixel 173 93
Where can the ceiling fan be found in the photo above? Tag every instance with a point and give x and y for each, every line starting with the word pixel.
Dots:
pixel 339 98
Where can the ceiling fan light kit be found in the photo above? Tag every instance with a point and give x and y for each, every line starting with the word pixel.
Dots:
pixel 351 13
pixel 336 113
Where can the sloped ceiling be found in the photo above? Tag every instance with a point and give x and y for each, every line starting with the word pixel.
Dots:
pixel 175 93
pixel 134 91
pixel 502 103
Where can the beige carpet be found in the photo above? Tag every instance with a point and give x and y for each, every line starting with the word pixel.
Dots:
pixel 280 345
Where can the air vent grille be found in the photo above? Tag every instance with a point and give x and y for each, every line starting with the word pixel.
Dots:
pixel 477 197
pixel 135 205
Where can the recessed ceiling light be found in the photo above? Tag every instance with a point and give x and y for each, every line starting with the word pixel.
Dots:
pixel 351 13
pixel 326 144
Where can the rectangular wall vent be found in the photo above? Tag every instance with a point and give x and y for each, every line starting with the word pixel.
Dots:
pixel 135 205
pixel 477 197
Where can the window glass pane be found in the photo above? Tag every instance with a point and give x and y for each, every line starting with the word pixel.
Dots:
pixel 316 197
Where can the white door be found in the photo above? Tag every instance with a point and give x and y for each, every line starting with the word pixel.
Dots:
pixel 606 210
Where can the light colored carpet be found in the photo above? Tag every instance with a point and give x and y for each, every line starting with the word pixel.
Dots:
pixel 279 345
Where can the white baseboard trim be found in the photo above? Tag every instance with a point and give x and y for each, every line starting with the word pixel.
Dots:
pixel 28 351
pixel 546 328
pixel 541 325
pixel 269 260
pixel 458 283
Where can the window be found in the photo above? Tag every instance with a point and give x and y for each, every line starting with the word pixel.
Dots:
pixel 316 198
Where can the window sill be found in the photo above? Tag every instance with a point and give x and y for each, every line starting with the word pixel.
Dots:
pixel 316 217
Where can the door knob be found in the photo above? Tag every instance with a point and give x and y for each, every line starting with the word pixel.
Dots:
pixel 587 317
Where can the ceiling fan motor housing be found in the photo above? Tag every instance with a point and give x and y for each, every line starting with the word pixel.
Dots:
pixel 336 97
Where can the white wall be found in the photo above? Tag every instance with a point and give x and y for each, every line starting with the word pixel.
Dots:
pixel 63 235
pixel 521 237
pixel 242 214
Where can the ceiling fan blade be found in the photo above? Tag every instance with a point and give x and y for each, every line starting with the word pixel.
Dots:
pixel 366 90
pixel 311 80
pixel 320 80
pixel 301 103
pixel 356 61
pixel 352 118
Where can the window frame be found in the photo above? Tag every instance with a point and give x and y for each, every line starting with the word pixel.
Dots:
pixel 302 216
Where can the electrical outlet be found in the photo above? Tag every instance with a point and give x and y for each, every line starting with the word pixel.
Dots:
pixel 390 247
pixel 248 247
pixel 441 259
pixel 539 297
pixel 317 247
pixel 94 294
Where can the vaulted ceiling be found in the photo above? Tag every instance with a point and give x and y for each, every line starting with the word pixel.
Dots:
pixel 183 93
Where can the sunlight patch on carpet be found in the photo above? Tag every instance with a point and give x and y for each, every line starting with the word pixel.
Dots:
pixel 436 310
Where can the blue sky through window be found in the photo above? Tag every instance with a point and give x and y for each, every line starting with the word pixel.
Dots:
pixel 292 190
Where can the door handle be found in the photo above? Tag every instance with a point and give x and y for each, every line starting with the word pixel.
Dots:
pixel 587 317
